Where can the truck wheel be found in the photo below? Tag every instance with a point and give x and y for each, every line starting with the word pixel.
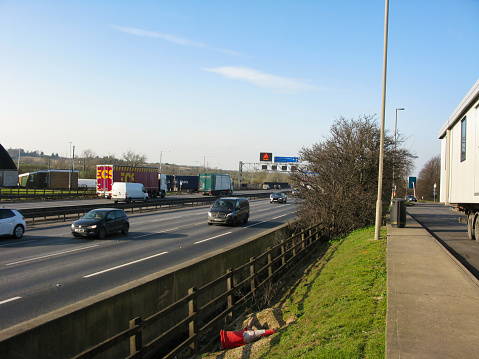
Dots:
pixel 470 226
pixel 476 229
pixel 162 194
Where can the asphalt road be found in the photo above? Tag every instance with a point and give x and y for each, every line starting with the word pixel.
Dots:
pixel 443 223
pixel 48 268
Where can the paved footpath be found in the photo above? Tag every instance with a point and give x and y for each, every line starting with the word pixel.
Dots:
pixel 433 301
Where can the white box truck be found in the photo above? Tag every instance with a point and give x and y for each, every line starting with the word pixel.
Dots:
pixel 459 137
pixel 128 192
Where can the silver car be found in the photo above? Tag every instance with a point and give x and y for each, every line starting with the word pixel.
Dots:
pixel 12 223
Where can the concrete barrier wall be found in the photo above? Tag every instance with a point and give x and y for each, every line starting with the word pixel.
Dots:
pixel 69 331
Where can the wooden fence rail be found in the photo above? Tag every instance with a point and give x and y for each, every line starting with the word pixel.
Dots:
pixel 270 265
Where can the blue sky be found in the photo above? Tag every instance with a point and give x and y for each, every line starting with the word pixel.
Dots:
pixel 222 81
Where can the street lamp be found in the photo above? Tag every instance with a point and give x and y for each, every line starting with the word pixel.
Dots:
pixel 69 169
pixel 204 161
pixel 394 154
pixel 379 204
pixel 161 156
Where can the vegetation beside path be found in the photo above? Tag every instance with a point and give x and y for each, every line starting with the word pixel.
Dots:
pixel 334 308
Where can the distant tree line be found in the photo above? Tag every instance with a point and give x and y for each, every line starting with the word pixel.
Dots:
pixel 87 161
pixel 429 175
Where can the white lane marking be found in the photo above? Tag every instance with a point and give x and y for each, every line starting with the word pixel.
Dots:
pixel 10 300
pixel 207 239
pixel 52 255
pixel 255 224
pixel 15 243
pixel 281 216
pixel 124 265
pixel 150 234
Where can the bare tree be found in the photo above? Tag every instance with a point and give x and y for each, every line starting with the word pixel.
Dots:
pixel 340 175
pixel 429 175
pixel 131 158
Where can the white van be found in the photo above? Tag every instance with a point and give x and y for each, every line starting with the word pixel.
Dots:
pixel 128 192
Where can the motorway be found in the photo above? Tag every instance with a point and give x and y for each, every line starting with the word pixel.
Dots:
pixel 48 269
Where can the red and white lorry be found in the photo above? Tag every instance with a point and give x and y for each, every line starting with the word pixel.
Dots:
pixel 149 177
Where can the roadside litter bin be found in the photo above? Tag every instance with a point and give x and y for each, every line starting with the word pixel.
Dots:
pixel 398 213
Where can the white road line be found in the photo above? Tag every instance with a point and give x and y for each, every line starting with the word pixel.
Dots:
pixel 16 243
pixel 150 234
pixel 255 224
pixel 207 239
pixel 124 265
pixel 281 216
pixel 52 255
pixel 10 300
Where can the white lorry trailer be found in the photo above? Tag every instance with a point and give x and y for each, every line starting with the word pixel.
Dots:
pixel 460 160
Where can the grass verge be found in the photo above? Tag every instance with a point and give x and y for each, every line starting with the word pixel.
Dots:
pixel 336 310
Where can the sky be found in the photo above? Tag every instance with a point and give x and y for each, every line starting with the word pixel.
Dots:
pixel 218 82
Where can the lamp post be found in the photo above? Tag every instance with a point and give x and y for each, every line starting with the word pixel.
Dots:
pixel 161 156
pixel 377 228
pixel 394 154
pixel 70 168
pixel 204 161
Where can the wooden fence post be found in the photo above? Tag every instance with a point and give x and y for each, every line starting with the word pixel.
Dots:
pixel 135 340
pixel 252 274
pixel 293 243
pixel 270 265
pixel 229 286
pixel 283 251
pixel 192 309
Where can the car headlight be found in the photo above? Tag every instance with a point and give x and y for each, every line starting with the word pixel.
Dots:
pixel 73 226
pixel 210 214
pixel 93 226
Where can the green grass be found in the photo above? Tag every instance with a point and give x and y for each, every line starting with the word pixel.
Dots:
pixel 339 308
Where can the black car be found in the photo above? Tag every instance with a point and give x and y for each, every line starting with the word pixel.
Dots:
pixel 100 222
pixel 410 198
pixel 279 197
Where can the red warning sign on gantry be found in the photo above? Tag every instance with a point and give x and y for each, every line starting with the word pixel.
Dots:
pixel 266 156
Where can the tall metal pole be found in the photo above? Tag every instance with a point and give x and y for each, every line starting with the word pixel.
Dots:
pixel 381 150
pixel 161 156
pixel 70 168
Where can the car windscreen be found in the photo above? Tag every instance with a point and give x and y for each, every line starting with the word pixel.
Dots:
pixel 224 204
pixel 95 215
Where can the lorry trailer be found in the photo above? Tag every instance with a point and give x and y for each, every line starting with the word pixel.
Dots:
pixel 459 187
pixel 154 182
pixel 215 184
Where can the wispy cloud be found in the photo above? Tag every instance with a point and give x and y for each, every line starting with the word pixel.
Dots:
pixel 272 82
pixel 173 39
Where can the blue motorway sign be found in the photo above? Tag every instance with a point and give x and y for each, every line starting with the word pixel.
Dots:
pixel 412 182
pixel 285 159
